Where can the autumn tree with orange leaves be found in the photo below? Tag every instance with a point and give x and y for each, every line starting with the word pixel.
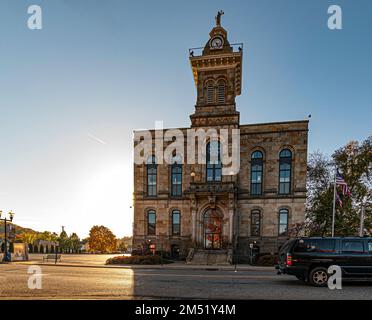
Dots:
pixel 101 239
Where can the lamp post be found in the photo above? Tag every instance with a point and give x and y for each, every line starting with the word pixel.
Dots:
pixel 11 215
pixel 192 175
pixel 251 246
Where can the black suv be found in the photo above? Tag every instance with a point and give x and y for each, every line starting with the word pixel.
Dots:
pixel 309 258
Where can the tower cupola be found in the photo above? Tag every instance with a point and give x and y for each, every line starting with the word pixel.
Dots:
pixel 217 77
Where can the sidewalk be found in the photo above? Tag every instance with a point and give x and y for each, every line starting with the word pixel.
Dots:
pixel 171 266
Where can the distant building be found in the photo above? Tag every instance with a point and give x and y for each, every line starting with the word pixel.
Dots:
pixel 84 247
pixel 43 246
pixel 192 209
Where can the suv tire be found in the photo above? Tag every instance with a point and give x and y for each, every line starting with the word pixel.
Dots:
pixel 319 277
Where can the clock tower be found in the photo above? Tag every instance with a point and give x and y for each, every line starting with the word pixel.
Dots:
pixel 217 74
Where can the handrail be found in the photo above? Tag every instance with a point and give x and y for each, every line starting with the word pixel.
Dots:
pixel 233 45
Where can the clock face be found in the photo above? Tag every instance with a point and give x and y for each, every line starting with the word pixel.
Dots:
pixel 216 43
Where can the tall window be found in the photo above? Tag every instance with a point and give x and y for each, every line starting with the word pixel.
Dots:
pixel 176 222
pixel 214 166
pixel 285 168
pixel 176 177
pixel 210 92
pixel 255 223
pixel 151 222
pixel 151 176
pixel 283 222
pixel 221 96
pixel 256 172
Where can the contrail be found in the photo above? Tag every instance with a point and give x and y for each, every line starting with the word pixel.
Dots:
pixel 96 139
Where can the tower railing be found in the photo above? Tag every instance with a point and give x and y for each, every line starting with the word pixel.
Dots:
pixel 196 52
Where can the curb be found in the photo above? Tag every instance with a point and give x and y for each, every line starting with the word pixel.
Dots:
pixel 147 267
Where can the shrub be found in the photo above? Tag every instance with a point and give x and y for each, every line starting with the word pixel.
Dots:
pixel 148 259
pixel 267 260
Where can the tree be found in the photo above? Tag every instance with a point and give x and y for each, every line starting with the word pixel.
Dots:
pixel 101 239
pixel 63 241
pixel 46 236
pixel 354 161
pixel 28 237
pixel 74 242
pixel 121 246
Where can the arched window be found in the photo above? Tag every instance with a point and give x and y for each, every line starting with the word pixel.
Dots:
pixel 221 93
pixel 214 166
pixel 285 174
pixel 176 177
pixel 256 173
pixel 210 92
pixel 151 222
pixel 151 176
pixel 283 222
pixel 255 223
pixel 176 223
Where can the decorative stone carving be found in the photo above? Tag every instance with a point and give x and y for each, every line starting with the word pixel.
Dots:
pixel 212 201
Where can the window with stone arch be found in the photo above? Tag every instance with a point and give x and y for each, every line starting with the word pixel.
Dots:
pixel 176 222
pixel 256 172
pixel 283 222
pixel 221 91
pixel 209 88
pixel 285 171
pixel 151 222
pixel 255 223
pixel 214 165
pixel 151 171
pixel 176 176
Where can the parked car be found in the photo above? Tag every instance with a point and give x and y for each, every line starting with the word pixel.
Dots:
pixel 309 258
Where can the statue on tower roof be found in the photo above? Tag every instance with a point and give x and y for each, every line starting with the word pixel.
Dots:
pixel 218 18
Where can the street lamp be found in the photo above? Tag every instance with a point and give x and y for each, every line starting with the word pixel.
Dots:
pixel 192 174
pixel 11 216
pixel 251 246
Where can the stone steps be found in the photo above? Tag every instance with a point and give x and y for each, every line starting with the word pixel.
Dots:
pixel 209 257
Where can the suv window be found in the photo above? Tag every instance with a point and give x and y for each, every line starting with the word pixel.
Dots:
pixel 350 246
pixel 285 247
pixel 315 245
pixel 370 246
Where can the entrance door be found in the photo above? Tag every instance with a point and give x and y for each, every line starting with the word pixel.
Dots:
pixel 175 250
pixel 212 229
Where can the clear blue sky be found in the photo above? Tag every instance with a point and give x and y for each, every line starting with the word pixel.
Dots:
pixel 71 93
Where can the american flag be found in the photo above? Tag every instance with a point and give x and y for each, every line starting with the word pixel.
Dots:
pixel 341 182
pixel 338 198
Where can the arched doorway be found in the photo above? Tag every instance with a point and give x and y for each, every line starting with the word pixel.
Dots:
pixel 175 252
pixel 212 229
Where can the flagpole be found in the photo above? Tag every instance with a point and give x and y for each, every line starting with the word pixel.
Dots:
pixel 361 228
pixel 334 205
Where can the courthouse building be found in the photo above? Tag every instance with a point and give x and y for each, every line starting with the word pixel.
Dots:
pixel 192 210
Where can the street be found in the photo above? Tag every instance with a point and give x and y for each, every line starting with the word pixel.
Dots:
pixel 94 281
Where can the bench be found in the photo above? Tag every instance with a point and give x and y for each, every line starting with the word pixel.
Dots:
pixel 52 257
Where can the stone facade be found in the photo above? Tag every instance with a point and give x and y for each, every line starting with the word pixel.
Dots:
pixel 229 201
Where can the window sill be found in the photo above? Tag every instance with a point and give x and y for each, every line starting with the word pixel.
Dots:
pixel 283 195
